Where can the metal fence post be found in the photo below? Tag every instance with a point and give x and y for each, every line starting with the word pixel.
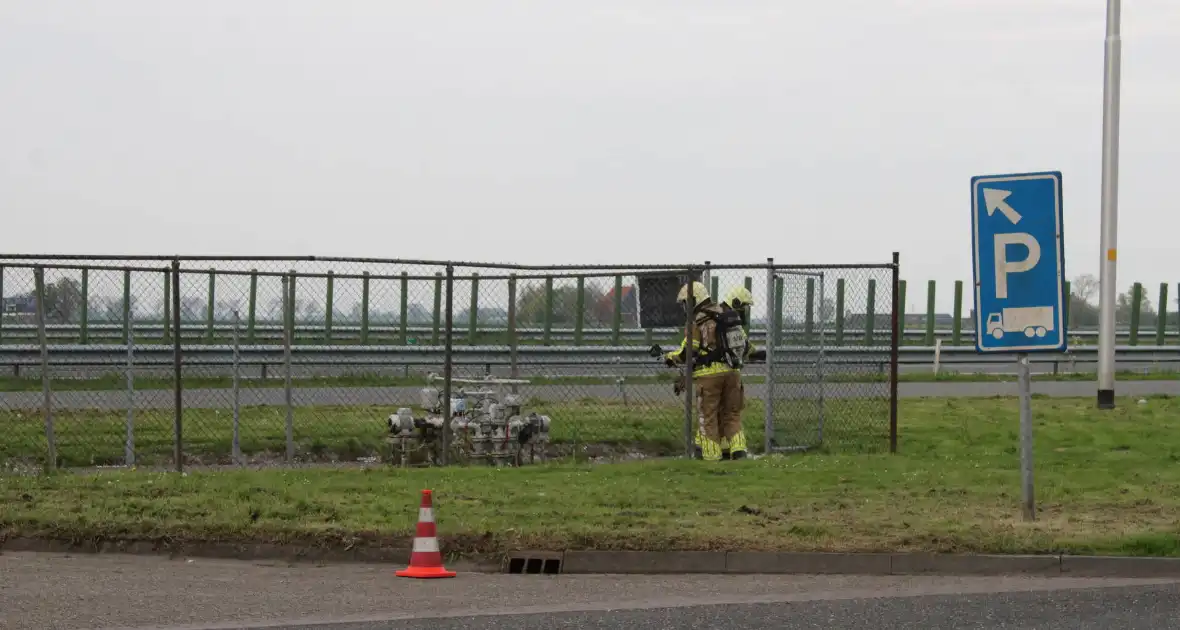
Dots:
pixel 1068 297
pixel 364 307
pixel 1136 312
pixel 821 365
pixel 957 324
pixel 512 337
pixel 871 312
pixel 580 313
pixel 689 320
pixel 404 309
pixel 178 385
pixel 448 368
pixel 211 307
pixel 839 323
pixel 237 441
pixel 930 297
pixel 436 313
pixel 329 295
pixel 288 324
pixel 617 316
pixel 129 447
pixel 548 325
pixel 473 311
pixel 771 335
pixel 809 312
pixel 1161 321
pixel 167 323
pixel 779 292
pixel 47 403
pixel 901 312
pixel 127 314
pixel 84 307
pixel 252 306
pixel 893 352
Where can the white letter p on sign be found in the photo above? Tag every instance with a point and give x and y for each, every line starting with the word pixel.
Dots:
pixel 1003 267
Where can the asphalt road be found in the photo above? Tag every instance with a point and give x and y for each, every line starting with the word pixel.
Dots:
pixel 1126 608
pixel 639 394
pixel 66 593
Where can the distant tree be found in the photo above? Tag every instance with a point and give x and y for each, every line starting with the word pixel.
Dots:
pixel 1085 287
pixel 1082 313
pixel 223 310
pixel 1123 305
pixel 192 309
pixel 530 306
pixel 308 310
pixel 274 310
pixel 110 309
pixel 827 310
pixel 63 301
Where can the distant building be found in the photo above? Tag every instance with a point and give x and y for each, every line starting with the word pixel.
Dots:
pixel 604 309
pixel 20 305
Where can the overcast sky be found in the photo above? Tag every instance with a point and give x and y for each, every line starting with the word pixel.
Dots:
pixel 563 132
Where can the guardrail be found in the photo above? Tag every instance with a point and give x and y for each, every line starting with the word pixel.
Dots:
pixel 351 334
pixel 116 356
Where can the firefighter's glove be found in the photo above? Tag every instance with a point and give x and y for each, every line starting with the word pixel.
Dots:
pixel 758 355
pixel 669 362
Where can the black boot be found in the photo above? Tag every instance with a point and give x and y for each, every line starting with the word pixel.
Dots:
pixel 725 454
pixel 738 455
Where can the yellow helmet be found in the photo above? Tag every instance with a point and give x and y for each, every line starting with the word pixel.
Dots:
pixel 699 294
pixel 739 295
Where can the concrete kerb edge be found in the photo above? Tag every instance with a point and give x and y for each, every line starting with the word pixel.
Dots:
pixel 653 562
pixel 247 551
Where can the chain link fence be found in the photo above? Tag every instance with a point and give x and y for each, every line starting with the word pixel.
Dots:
pixel 833 376
pixel 183 362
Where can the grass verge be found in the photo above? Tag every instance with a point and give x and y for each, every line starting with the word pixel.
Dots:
pixel 581 428
pixel 1107 483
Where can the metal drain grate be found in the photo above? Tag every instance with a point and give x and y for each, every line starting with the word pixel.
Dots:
pixel 534 565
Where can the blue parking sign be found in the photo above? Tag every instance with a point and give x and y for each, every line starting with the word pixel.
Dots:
pixel 1018 251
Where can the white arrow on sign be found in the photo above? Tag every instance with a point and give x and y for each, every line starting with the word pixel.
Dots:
pixel 995 199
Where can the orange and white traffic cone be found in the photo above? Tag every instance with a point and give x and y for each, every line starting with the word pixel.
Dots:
pixel 426 559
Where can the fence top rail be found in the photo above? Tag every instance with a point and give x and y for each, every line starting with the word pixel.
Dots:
pixel 174 258
pixel 365 275
pixel 64 267
pixel 572 269
pixel 581 273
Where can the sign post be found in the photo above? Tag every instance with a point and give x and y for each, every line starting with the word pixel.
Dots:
pixel 1018 252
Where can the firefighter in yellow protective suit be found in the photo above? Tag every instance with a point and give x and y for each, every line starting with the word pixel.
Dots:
pixel 739 299
pixel 718 385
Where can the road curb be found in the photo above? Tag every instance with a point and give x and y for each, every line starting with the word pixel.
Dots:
pixel 644 562
pixel 1116 566
pixel 808 563
pixel 244 551
pixel 647 562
